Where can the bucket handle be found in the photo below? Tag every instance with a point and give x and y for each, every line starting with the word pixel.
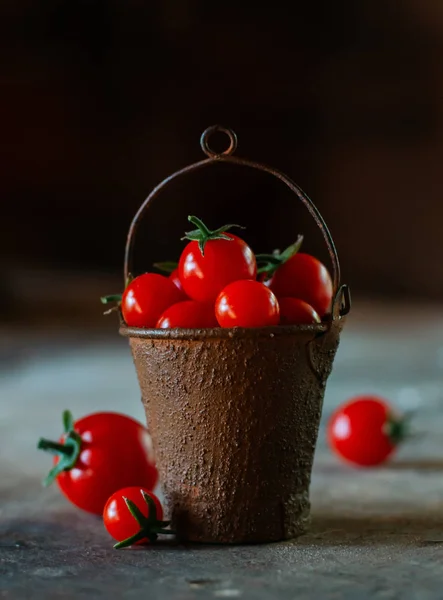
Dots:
pixel 341 297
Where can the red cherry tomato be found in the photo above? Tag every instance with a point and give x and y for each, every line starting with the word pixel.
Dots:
pixel 189 314
pixel 247 304
pixel 297 312
pixel 146 298
pixel 174 277
pixel 204 276
pixel 123 526
pixel 100 454
pixel 304 277
pixel 365 431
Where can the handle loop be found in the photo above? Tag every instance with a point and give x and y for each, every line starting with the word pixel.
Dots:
pixel 341 297
pixel 204 141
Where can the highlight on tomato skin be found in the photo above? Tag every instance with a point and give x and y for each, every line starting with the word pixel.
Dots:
pixel 365 431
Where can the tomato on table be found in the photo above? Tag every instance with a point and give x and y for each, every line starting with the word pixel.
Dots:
pixel 212 260
pixel 146 298
pixel 134 515
pixel 294 311
pixel 189 314
pixel 366 431
pixel 247 304
pixel 99 454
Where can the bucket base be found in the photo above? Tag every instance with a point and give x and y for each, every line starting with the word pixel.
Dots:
pixel 203 525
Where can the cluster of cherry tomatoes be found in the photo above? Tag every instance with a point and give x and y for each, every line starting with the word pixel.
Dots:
pixel 104 465
pixel 220 282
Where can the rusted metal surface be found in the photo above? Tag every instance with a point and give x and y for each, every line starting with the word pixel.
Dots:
pixel 234 413
pixel 234 424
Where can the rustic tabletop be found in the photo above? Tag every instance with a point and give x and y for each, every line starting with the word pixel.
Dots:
pixel 375 533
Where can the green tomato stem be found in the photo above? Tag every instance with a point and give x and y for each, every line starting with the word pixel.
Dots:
pixel 200 225
pixel 269 263
pixel 68 451
pixel 111 298
pixel 203 234
pixel 54 447
pixel 130 541
pixel 398 428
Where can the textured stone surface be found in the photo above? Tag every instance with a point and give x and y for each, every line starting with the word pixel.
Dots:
pixel 375 534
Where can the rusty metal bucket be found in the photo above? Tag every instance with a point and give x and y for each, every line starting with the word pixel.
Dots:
pixel 234 413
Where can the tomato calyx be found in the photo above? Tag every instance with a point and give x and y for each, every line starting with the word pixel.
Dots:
pixel 397 428
pixel 203 234
pixel 167 266
pixel 68 451
pixel 111 298
pixel 150 526
pixel 269 263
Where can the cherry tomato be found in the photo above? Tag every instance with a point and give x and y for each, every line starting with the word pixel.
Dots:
pixel 189 314
pixel 99 454
pixel 204 276
pixel 247 303
pixel 306 278
pixel 174 277
pixel 134 515
pixel 146 298
pixel 365 431
pixel 297 312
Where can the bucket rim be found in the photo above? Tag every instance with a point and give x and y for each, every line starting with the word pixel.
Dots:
pixel 313 330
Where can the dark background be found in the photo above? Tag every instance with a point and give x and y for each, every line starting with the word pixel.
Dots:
pixel 103 99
